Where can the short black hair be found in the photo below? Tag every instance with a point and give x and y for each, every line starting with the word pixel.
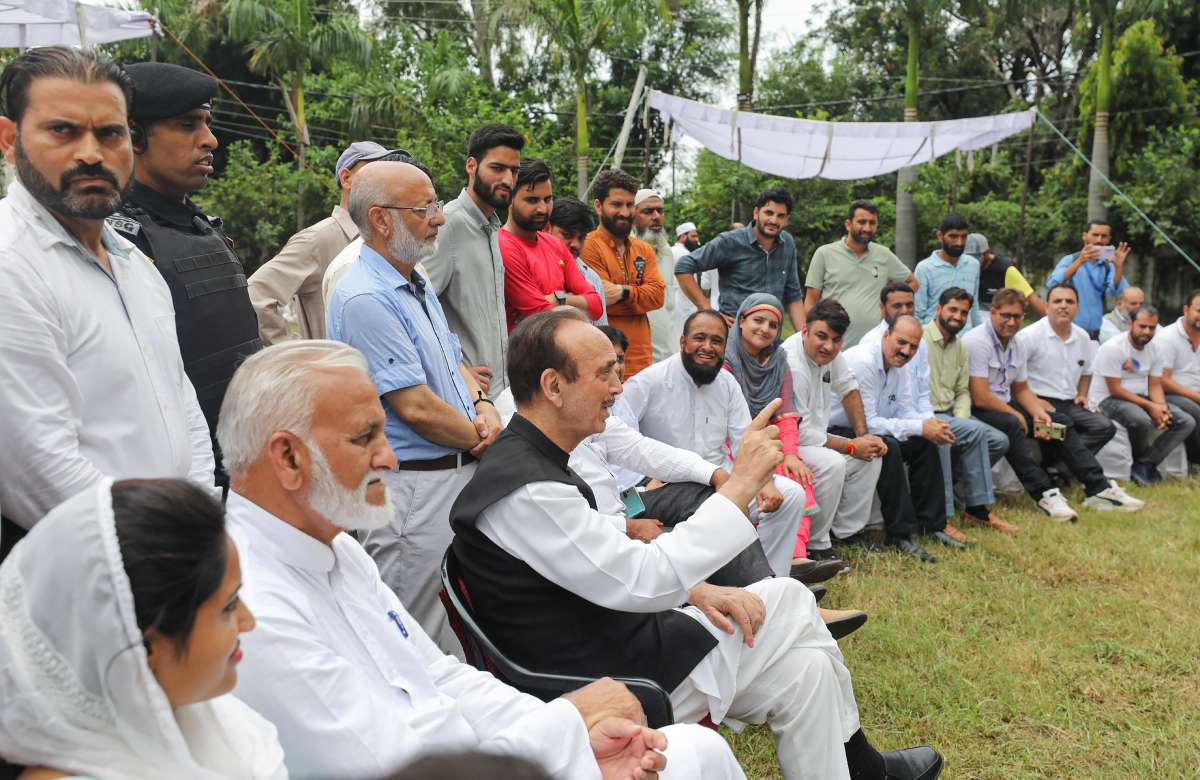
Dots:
pixel 830 312
pixel 532 348
pixel 87 66
pixel 863 204
pixel 572 214
pixel 1146 309
pixel 1103 222
pixel 1192 296
pixel 952 221
pixel 613 179
pixel 490 136
pixel 173 543
pixel 893 287
pixel 532 172
pixel 402 156
pixel 775 195
pixel 1066 286
pixel 615 335
pixel 956 294
pixel 687 324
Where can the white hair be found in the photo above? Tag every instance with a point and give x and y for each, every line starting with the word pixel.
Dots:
pixel 365 192
pixel 274 390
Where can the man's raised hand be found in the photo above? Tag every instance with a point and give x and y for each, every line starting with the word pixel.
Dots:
pixel 760 452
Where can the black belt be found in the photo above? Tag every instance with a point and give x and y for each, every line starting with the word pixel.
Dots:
pixel 451 461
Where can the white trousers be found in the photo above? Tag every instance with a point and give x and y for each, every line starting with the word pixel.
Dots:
pixel 794 678
pixel 409 550
pixel 843 487
pixel 698 753
pixel 777 530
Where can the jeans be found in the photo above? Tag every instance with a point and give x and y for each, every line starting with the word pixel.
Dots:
pixel 976 447
pixel 1150 445
pixel 1193 409
pixel 911 489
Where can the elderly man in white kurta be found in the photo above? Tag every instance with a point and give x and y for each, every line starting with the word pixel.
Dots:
pixel 354 685
pixel 91 379
pixel 844 470
pixel 558 587
pixel 688 401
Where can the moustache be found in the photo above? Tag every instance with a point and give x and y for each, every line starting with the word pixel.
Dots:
pixel 87 171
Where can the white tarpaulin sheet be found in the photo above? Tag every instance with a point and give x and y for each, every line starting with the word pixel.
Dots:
pixel 26 23
pixel 804 148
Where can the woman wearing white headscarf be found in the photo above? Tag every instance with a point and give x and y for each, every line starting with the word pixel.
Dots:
pixel 119 624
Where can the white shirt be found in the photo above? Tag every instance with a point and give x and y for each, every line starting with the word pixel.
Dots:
pixel 353 684
pixel 917 368
pixel 576 548
pixel 814 388
pixel 620 445
pixel 91 379
pixel 1117 359
pixel 1175 349
pixel 886 395
pixel 683 304
pixel 1053 366
pixel 709 420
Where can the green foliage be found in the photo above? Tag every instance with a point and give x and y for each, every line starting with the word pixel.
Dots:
pixel 1165 182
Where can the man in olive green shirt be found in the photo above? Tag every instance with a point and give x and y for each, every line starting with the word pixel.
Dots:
pixel 950 396
pixel 854 270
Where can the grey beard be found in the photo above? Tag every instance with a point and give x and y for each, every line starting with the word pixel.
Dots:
pixel 657 239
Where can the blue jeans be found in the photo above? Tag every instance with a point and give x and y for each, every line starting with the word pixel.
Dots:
pixel 976 447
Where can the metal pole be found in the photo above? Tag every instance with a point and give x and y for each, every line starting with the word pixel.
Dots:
pixel 627 123
pixel 82 22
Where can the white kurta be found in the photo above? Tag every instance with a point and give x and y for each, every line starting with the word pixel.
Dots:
pixel 91 379
pixel 793 678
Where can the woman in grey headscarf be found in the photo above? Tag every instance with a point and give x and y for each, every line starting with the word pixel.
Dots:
pixel 119 624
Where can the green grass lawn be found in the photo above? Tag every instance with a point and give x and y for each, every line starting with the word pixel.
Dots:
pixel 1066 651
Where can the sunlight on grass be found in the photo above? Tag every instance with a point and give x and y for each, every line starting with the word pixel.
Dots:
pixel 1067 651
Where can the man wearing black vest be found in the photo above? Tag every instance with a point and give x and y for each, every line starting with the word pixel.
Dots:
pixel 215 322
pixel 560 589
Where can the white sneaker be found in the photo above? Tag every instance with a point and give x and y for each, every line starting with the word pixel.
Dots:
pixel 1113 498
pixel 1053 504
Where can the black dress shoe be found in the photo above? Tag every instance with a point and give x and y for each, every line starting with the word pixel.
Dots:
pixel 915 763
pixel 949 540
pixel 847 622
pixel 861 541
pixel 818 592
pixel 810 572
pixel 908 547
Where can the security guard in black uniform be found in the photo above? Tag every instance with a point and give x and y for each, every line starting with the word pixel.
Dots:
pixel 216 325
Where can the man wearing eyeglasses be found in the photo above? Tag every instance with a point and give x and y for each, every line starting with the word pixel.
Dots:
pixel 438 418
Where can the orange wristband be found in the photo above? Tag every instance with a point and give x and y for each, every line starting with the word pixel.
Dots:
pixel 849 448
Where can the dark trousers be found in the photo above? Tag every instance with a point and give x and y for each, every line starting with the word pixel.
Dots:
pixel 673 504
pixel 1094 430
pixel 911 488
pixel 1193 410
pixel 10 534
pixel 1025 458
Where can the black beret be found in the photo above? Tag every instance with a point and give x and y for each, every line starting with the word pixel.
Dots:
pixel 162 90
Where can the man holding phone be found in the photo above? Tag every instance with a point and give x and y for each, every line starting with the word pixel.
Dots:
pixel 1097 270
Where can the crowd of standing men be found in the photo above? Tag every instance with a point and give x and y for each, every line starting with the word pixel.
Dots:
pixel 629 464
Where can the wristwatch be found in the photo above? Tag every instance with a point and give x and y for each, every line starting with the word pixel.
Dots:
pixel 561 297
pixel 624 294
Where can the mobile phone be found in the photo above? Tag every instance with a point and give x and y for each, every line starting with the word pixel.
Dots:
pixel 1106 252
pixel 632 500
pixel 1053 430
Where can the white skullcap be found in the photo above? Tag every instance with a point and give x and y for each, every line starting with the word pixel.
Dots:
pixel 644 195
pixel 686 227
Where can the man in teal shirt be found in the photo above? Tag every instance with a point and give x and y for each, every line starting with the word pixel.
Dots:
pixel 1095 271
pixel 948 266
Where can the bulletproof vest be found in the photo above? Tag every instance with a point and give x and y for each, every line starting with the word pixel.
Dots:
pixel 538 623
pixel 214 320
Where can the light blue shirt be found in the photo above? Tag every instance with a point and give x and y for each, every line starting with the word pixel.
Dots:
pixel 935 276
pixel 887 397
pixel 401 328
pixel 1092 281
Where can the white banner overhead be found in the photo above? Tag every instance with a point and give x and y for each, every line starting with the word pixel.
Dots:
pixel 805 148
pixel 27 23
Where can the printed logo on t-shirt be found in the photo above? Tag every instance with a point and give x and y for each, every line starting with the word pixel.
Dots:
pixel 1131 365
pixel 639 265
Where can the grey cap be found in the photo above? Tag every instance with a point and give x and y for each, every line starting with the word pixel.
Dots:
pixel 359 151
pixel 976 245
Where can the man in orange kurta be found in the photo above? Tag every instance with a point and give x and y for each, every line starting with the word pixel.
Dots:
pixel 626 265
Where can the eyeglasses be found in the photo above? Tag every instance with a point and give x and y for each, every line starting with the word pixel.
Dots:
pixel 1013 317
pixel 424 212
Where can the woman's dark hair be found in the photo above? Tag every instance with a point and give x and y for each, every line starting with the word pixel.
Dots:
pixel 87 66
pixel 173 544
pixel 488 137
pixel 572 214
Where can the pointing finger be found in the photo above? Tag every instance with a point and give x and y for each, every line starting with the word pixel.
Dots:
pixel 763 419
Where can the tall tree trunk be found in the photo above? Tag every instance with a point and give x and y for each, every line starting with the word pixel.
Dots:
pixel 482 29
pixel 581 131
pixel 1097 189
pixel 906 210
pixel 745 96
pixel 293 100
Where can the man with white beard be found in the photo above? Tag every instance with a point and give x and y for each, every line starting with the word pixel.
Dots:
pixel 648 226
pixel 438 418
pixel 354 686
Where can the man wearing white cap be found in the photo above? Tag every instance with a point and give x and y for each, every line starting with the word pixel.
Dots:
pixel 648 224
pixel 297 270
pixel 687 240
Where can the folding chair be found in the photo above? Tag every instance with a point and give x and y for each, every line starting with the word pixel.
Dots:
pixel 484 655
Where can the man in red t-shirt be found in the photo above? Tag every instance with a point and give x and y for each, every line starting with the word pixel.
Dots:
pixel 539 271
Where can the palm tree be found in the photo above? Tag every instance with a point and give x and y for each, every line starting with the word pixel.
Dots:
pixel 286 41
pixel 576 30
pixel 1103 12
pixel 748 51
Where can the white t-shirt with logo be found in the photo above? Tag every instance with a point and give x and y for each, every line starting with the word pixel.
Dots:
pixel 1117 359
